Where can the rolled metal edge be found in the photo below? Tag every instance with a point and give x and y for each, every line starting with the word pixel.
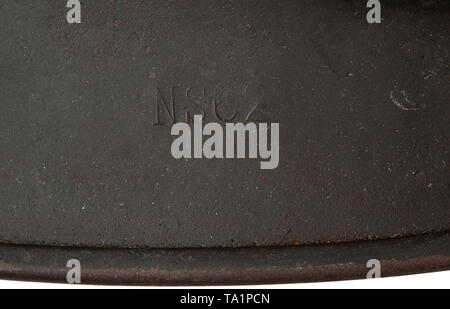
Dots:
pixel 228 266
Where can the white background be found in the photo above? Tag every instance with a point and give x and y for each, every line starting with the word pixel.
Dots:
pixel 440 280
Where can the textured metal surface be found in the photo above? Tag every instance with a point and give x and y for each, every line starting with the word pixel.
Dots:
pixel 83 163
pixel 363 110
